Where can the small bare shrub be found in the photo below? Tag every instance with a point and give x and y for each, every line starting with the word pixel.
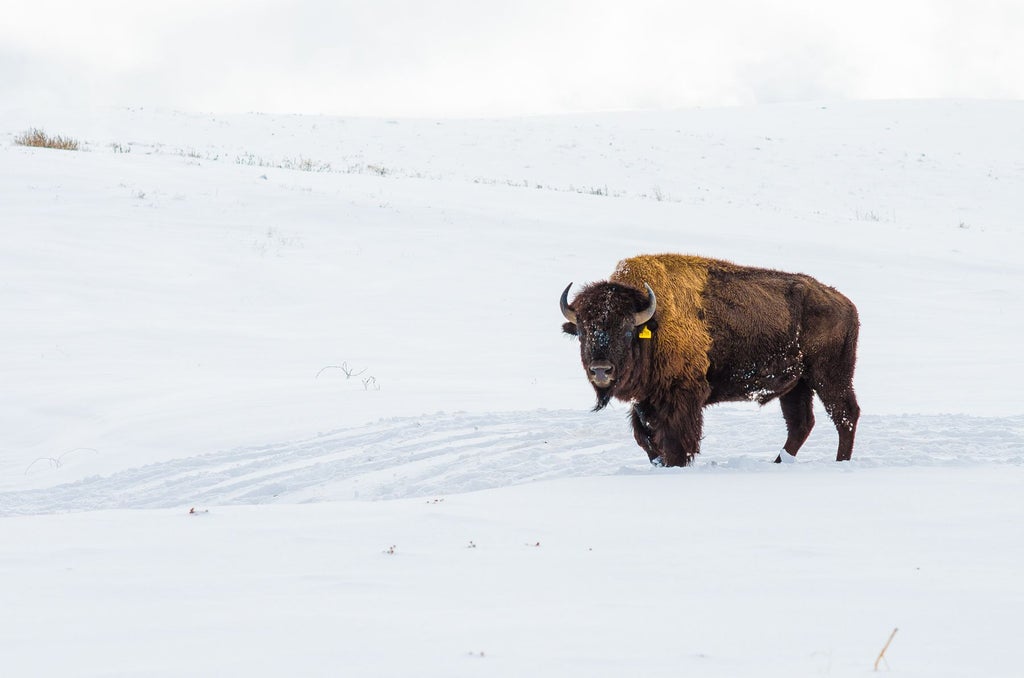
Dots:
pixel 302 164
pixel 349 371
pixel 306 165
pixel 40 139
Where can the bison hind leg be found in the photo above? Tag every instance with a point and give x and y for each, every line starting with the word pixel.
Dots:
pixel 842 407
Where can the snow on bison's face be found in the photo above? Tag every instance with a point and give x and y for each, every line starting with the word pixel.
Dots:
pixel 605 318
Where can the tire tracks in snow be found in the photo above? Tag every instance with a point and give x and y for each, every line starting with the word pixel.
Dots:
pixel 443 454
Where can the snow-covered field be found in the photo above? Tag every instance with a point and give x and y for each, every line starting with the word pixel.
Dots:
pixel 338 341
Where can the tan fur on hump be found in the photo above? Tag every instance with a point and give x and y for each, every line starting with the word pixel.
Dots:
pixel 678 281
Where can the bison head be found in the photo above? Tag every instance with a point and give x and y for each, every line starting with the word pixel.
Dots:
pixel 606 317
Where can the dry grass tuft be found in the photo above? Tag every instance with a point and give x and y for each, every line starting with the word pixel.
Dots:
pixel 40 139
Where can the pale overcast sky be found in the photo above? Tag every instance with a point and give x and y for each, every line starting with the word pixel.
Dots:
pixel 444 57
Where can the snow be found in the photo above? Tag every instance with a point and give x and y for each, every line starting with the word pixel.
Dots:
pixel 176 318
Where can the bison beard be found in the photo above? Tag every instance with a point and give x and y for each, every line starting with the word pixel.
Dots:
pixel 672 334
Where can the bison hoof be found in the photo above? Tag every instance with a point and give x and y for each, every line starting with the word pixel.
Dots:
pixel 785 458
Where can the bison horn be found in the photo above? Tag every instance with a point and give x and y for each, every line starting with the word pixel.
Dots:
pixel 648 313
pixel 569 314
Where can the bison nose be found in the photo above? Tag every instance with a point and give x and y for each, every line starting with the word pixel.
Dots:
pixel 601 373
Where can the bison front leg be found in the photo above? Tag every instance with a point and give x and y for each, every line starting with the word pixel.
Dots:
pixel 798 411
pixel 675 426
pixel 643 433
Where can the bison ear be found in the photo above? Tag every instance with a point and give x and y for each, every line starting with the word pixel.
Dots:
pixel 570 329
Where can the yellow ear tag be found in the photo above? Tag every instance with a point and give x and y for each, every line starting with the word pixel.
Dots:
pixel 644 333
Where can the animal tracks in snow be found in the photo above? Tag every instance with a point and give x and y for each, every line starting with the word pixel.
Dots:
pixel 443 454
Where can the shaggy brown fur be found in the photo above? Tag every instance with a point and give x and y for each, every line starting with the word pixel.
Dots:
pixel 721 332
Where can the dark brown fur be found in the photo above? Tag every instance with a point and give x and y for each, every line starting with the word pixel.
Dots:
pixel 721 333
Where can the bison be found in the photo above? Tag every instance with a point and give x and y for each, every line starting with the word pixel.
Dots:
pixel 673 333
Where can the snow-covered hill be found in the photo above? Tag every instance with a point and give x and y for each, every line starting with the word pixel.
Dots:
pixel 205 311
